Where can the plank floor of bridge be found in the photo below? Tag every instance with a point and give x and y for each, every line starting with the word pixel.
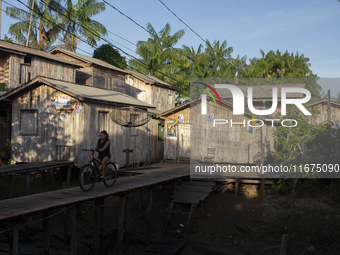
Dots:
pixel 21 206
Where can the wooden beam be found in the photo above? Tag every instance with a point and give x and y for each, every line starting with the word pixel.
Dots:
pixel 98 225
pixel 46 233
pixel 73 230
pixel 121 224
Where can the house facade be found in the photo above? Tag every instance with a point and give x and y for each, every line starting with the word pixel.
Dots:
pixel 20 64
pixel 97 73
pixel 43 130
pixel 190 134
pixel 325 112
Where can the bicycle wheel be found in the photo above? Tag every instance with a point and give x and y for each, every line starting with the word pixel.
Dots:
pixel 110 174
pixel 87 177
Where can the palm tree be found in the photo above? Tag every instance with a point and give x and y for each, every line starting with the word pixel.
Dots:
pixel 43 27
pixel 76 22
pixel 157 52
pixel 159 58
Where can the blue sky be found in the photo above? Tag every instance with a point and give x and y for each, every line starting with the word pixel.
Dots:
pixel 305 26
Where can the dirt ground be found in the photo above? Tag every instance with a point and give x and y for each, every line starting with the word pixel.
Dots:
pixel 247 224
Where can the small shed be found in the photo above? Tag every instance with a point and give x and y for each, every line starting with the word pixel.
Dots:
pixel 325 112
pixel 54 120
pixel 194 134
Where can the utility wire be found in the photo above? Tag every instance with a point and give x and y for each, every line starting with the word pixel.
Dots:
pixel 164 41
pixel 200 36
pixel 104 39
pixel 94 34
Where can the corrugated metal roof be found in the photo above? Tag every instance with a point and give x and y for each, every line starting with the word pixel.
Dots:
pixel 12 47
pixel 262 91
pixel 81 92
pixel 151 79
pixel 87 59
pixel 323 101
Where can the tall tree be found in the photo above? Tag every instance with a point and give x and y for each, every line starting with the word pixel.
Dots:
pixel 43 27
pixel 76 21
pixel 158 55
pixel 110 55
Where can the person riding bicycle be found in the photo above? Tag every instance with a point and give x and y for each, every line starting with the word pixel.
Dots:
pixel 103 147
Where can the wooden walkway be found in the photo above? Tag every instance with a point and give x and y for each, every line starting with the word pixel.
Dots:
pixel 28 168
pixel 22 206
pixel 31 167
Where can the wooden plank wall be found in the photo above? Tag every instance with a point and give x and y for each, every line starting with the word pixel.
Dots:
pixel 39 147
pixel 151 94
pixel 233 144
pixel 39 66
pixel 62 133
pixel 138 89
pixel 161 97
pixel 84 76
pixel 4 68
pixel 322 117
pixel 108 79
pixel 171 145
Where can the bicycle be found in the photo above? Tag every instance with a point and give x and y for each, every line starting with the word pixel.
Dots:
pixel 87 174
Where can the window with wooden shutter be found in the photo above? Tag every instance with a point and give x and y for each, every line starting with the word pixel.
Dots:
pixel 28 122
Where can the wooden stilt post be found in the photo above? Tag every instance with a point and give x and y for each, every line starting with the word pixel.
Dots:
pixel 65 219
pixel 27 183
pixel 27 231
pixel 284 244
pixel 9 185
pixel 69 172
pixel 14 242
pixel 53 176
pixel 98 225
pixel 236 187
pixel 46 233
pixel 149 216
pixel 127 217
pixel 121 224
pixel 47 175
pixel 73 230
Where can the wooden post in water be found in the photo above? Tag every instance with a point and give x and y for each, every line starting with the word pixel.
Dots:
pixel 46 233
pixel 127 218
pixel 27 183
pixel 149 216
pixel 65 219
pixel 73 230
pixel 69 172
pixel 236 187
pixel 14 242
pixel 9 185
pixel 53 176
pixel 121 224
pixel 98 225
